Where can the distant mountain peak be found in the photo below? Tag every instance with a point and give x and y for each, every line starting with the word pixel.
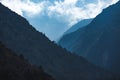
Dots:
pixel 78 25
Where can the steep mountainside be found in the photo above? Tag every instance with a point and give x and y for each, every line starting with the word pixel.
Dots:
pixel 13 67
pixel 78 25
pixel 18 35
pixel 99 42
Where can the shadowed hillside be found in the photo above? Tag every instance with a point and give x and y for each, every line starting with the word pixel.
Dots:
pixel 99 42
pixel 13 67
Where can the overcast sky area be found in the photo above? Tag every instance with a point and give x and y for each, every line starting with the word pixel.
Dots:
pixel 53 17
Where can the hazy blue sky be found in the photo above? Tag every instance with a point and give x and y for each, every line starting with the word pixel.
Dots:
pixel 53 17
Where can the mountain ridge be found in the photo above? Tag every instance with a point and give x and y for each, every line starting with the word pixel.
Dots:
pixel 18 35
pixel 78 25
pixel 99 41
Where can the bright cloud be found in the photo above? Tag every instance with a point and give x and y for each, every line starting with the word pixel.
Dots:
pixel 24 6
pixel 72 13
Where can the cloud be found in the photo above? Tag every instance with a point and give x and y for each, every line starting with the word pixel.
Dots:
pixel 72 13
pixel 68 11
pixel 24 6
pixel 114 1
